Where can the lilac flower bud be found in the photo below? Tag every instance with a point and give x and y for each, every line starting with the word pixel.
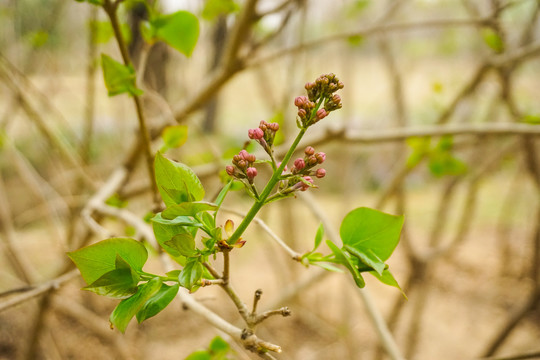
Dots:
pixel 251 172
pixel 250 158
pixel 312 160
pixel 309 151
pixel 299 101
pixel 273 126
pixel 243 154
pixel 302 113
pixel 236 159
pixel 255 134
pixel 242 164
pixel 230 170
pixel 299 164
pixel 309 85
pixel 340 85
pixel 263 125
pixel 320 173
pixel 336 99
pixel 320 156
pixel 321 114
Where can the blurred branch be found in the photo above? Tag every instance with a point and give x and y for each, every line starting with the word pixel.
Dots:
pixel 31 292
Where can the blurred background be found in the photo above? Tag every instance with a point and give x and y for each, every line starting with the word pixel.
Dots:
pixel 414 70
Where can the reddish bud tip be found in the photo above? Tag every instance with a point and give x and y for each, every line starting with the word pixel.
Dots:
pixel 230 170
pixel 299 164
pixel 250 158
pixel 309 151
pixel 256 133
pixel 251 172
pixel 321 157
pixel 302 113
pixel 242 164
pixel 320 173
pixel 243 154
pixel 321 114
pixel 273 126
pixel 300 100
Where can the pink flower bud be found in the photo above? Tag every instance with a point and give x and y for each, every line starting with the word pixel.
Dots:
pixel 309 151
pixel 250 158
pixel 299 164
pixel 263 125
pixel 312 160
pixel 321 114
pixel 230 170
pixel 320 173
pixel 300 101
pixel 302 113
pixel 321 157
pixel 336 99
pixel 242 164
pixel 255 134
pixel 273 126
pixel 243 154
pixel 309 85
pixel 251 172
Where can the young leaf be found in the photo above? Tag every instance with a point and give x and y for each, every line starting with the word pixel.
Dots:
pixel 342 258
pixel 218 346
pixel 187 209
pixel 116 284
pixel 365 228
pixel 318 237
pixel 171 175
pixel 127 308
pixel 119 78
pixel 180 30
pixel 191 274
pixel 214 8
pixel 223 193
pixel 388 279
pixel 174 136
pixel 367 257
pixel 185 221
pixel 199 355
pixel 157 302
pixel 98 259
pixel 184 244
pixel 493 40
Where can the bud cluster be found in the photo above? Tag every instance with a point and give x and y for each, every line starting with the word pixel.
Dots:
pixel 242 167
pixel 320 92
pixel 264 134
pixel 300 177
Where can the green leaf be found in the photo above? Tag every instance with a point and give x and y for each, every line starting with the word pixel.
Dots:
pixel 98 259
pixel 187 209
pixel 327 266
pixel 127 308
pixel 117 284
pixel 355 40
pixel 218 346
pixel 318 237
pixel 221 196
pixel 179 220
pixel 171 175
pixel 184 244
pixel 367 258
pixel 191 274
pixel 157 302
pixel 174 136
pixel 531 119
pixel 420 148
pixel 388 279
pixel 93 2
pixel 342 258
pixel 103 31
pixel 199 355
pixel 214 8
pixel 208 221
pixel 119 78
pixel 365 228
pixel 493 40
pixel 180 30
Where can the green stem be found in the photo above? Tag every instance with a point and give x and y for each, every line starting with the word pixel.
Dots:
pixel 266 191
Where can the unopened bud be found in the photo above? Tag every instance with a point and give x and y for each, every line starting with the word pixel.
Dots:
pixel 250 158
pixel 320 156
pixel 336 99
pixel 309 151
pixel 230 170
pixel 251 172
pixel 300 100
pixel 299 164
pixel 243 154
pixel 321 114
pixel 320 173
pixel 304 186
pixel 309 85
pixel 302 113
pixel 273 126
pixel 242 164
pixel 263 125
pixel 256 133
pixel 312 160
